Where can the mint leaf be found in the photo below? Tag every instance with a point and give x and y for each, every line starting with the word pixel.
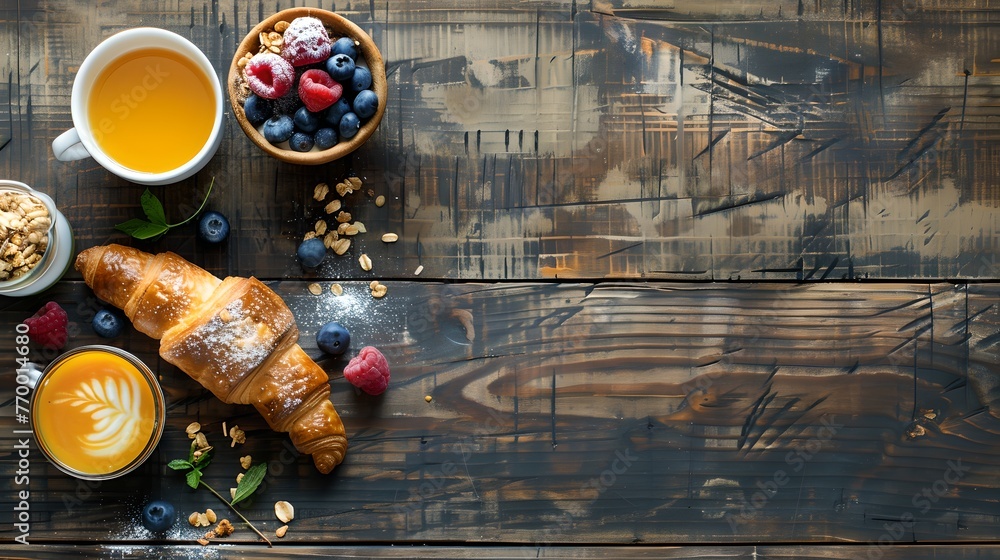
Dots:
pixel 153 208
pixel 141 229
pixel 193 478
pixel 250 481
pixel 180 464
pixel 157 220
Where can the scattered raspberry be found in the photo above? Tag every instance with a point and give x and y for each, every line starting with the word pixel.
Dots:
pixel 368 371
pixel 306 42
pixel 318 90
pixel 269 75
pixel 48 326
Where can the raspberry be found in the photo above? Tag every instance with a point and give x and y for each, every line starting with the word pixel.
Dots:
pixel 48 326
pixel 368 371
pixel 269 75
pixel 318 90
pixel 306 42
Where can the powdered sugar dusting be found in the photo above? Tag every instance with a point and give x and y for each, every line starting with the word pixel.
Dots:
pixel 306 41
pixel 222 350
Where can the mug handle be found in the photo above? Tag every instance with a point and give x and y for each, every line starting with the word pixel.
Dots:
pixel 67 146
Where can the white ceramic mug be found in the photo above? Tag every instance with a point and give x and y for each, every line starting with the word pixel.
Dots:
pixel 79 142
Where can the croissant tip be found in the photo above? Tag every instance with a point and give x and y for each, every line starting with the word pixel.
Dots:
pixel 325 462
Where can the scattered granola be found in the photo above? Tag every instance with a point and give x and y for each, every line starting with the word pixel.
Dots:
pixel 390 237
pixel 380 201
pixel 333 206
pixel 378 289
pixel 365 261
pixel 245 461
pixel 224 528
pixel 280 531
pixel 210 515
pixel 284 511
pixel 238 435
pixel 320 191
pixel 418 270
pixel 315 289
pixel 192 429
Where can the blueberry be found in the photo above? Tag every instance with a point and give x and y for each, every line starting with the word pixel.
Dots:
pixel 340 67
pixel 305 120
pixel 325 138
pixel 361 80
pixel 158 516
pixel 301 142
pixel 337 111
pixel 365 104
pixel 311 252
pixel 278 128
pixel 257 109
pixel 345 45
pixel 349 125
pixel 213 227
pixel 108 324
pixel 333 338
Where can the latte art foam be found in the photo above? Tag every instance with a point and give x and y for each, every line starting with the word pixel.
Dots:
pixel 116 412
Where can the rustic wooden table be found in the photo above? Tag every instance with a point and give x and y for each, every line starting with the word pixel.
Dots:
pixel 715 279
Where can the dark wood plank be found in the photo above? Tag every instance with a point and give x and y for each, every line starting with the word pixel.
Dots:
pixel 611 413
pixel 708 140
pixel 490 552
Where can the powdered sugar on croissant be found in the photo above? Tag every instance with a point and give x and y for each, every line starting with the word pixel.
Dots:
pixel 235 336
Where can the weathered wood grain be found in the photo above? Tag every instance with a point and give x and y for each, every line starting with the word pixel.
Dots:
pixel 608 413
pixel 833 552
pixel 704 140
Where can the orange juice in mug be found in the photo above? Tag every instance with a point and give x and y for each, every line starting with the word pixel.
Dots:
pixel 97 412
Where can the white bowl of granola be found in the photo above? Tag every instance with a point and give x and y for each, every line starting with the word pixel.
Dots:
pixel 36 243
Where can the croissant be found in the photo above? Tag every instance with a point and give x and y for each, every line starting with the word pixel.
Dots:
pixel 235 336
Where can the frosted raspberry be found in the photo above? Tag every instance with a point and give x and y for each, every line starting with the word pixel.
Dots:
pixel 318 90
pixel 368 371
pixel 48 326
pixel 306 42
pixel 269 75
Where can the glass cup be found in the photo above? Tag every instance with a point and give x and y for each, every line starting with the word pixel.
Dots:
pixel 51 258
pixel 97 412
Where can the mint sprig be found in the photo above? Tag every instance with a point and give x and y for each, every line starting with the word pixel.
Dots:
pixel 155 223
pixel 248 484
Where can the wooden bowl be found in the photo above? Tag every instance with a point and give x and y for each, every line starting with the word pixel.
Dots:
pixel 341 28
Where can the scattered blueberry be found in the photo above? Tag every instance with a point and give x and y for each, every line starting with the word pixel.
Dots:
pixel 344 45
pixel 365 104
pixel 337 111
pixel 108 324
pixel 340 67
pixel 361 80
pixel 349 125
pixel 305 120
pixel 333 338
pixel 325 138
pixel 278 128
pixel 311 252
pixel 213 227
pixel 257 109
pixel 158 516
pixel 301 142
